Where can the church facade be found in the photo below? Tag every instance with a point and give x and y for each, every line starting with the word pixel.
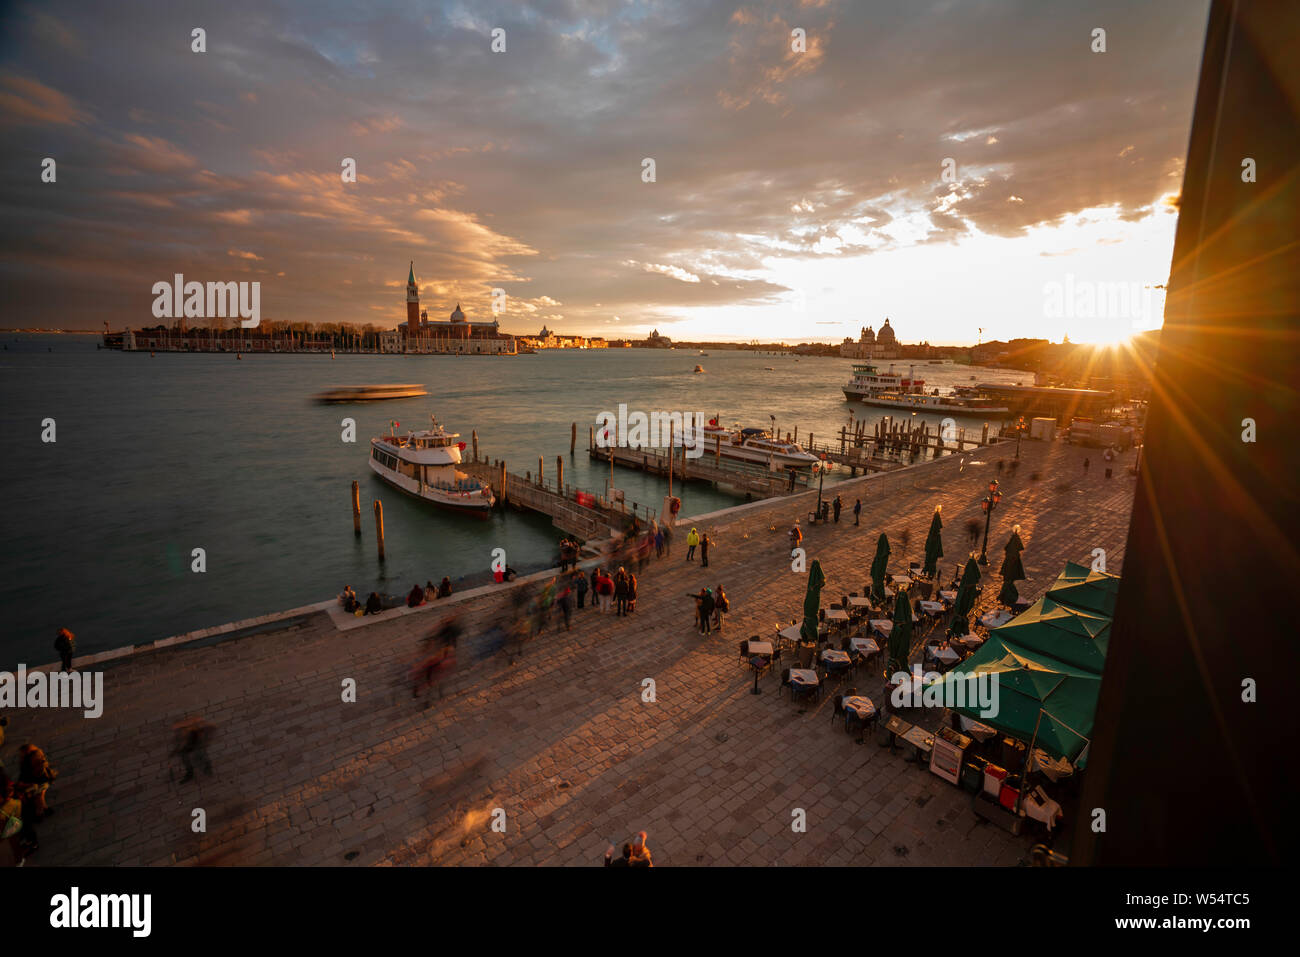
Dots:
pixel 872 344
pixel 455 335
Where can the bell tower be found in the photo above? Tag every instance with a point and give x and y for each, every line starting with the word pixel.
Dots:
pixel 412 302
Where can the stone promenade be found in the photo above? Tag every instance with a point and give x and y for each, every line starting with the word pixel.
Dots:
pixel 562 741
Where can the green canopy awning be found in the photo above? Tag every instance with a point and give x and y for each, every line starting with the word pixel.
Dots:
pixel 1086 590
pixel 1027 684
pixel 1077 639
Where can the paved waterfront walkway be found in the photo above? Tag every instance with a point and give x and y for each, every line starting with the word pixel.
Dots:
pixel 562 740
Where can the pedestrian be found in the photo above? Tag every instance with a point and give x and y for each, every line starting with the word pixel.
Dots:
pixel 620 593
pixel 416 597
pixel 705 542
pixel 699 603
pixel 796 535
pixel 1085 465
pixel 659 543
pixel 65 643
pixel 566 605
pixel 444 589
pixel 35 775
pixel 631 593
pixel 595 595
pixel 857 511
pixel 707 605
pixel 19 832
pixel 668 539
pixel 192 737
pixel 430 669
pixel 837 505
pixel 580 587
pixel 692 540
pixel 605 589
pixel 640 853
pixel 374 605
pixel 624 861
pixel 720 606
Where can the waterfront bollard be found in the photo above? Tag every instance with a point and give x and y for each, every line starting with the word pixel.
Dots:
pixel 379 527
pixel 473 434
pixel 356 508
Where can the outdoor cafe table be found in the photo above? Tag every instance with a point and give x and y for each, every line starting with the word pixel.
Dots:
pixel 830 655
pixel 804 676
pixel 969 642
pixel 996 619
pixel 948 596
pixel 859 601
pixel 901 580
pixel 789 634
pixel 932 607
pixel 860 706
pixel 863 645
pixel 837 614
pixel 882 625
pixel 946 655
pixel 760 648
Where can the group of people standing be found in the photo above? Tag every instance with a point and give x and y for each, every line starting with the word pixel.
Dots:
pixel 710 606
pixel 617 591
pixel 24 801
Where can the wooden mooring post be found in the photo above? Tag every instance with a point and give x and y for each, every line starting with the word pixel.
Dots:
pixel 473 434
pixel 379 527
pixel 559 474
pixel 573 438
pixel 356 508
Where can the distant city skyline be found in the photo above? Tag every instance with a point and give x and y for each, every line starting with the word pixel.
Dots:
pixel 799 153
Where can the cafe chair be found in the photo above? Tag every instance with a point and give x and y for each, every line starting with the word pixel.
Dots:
pixel 785 684
pixel 744 651
pixel 838 710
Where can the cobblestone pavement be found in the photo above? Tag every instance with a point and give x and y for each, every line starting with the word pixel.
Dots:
pixel 562 741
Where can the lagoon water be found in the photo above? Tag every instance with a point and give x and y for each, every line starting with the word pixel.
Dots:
pixel 157 456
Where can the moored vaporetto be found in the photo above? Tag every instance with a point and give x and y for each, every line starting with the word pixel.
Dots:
pixel 422 463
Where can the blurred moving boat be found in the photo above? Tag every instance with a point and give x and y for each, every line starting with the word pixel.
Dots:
pixel 371 393
pixel 423 464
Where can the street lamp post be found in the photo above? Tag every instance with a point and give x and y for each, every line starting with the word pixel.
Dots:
pixel 990 502
pixel 821 478
pixel 1020 429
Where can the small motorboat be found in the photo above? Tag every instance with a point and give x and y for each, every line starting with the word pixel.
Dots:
pixel 371 393
pixel 699 368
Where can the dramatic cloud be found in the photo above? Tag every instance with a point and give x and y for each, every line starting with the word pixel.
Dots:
pixel 522 170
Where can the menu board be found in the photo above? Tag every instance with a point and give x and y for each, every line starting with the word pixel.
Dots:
pixel 945 761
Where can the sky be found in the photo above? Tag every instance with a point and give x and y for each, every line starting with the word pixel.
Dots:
pixel 797 195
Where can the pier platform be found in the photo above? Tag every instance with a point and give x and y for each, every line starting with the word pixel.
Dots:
pixel 563 741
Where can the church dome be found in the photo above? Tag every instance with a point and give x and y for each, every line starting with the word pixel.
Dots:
pixel 886 334
pixel 867 335
pixel 457 315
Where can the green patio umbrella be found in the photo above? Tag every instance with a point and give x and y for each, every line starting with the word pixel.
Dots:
pixel 812 602
pixel 1012 569
pixel 965 599
pixel 900 638
pixel 879 565
pixel 933 545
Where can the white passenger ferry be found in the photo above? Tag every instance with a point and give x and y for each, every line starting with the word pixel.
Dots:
pixel 868 381
pixel 423 464
pixel 756 446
